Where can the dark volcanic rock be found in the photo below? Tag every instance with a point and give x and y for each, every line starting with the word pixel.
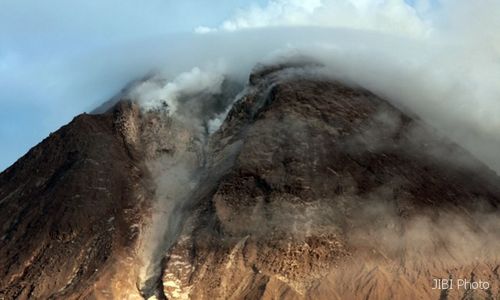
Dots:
pixel 67 210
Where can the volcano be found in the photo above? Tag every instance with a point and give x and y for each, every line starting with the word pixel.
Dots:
pixel 309 188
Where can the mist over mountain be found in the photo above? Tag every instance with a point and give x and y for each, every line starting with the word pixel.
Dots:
pixel 204 188
pixel 295 150
pixel 446 49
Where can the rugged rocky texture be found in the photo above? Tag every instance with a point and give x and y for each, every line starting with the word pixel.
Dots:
pixel 70 211
pixel 310 189
pixel 334 193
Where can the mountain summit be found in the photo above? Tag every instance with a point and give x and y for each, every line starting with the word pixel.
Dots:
pixel 307 188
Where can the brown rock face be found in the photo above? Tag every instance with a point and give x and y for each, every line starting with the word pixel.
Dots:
pixel 310 189
pixel 334 194
pixel 67 208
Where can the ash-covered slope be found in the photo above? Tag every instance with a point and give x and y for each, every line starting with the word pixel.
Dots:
pixel 309 189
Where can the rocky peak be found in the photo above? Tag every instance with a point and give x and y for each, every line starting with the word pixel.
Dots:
pixel 309 188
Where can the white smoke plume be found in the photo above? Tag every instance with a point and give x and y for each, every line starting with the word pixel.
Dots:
pixel 156 92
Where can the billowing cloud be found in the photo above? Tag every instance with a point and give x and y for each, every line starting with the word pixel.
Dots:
pixel 392 16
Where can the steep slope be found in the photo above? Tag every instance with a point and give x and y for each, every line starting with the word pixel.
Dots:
pixel 334 193
pixel 71 209
pixel 310 189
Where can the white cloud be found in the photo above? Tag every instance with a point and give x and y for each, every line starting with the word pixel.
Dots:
pixel 441 59
pixel 204 29
pixel 389 16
